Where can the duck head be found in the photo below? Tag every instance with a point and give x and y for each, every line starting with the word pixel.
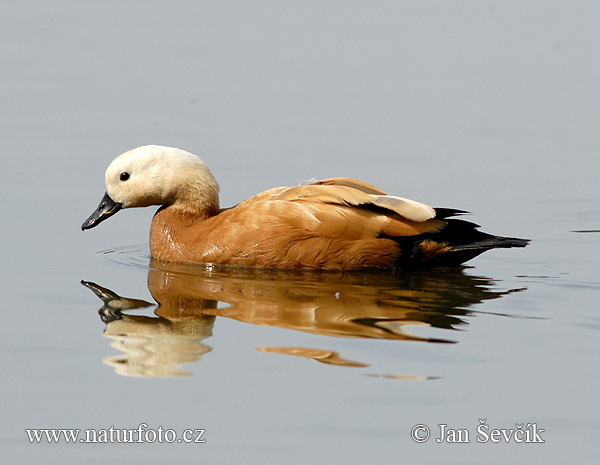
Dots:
pixel 156 175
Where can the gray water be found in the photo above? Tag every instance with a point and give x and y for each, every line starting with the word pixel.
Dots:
pixel 490 107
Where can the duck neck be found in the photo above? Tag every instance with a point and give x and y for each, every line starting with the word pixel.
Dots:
pixel 172 228
pixel 181 214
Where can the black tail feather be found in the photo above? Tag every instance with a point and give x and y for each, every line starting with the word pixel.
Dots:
pixel 448 212
pixel 492 242
pixel 457 243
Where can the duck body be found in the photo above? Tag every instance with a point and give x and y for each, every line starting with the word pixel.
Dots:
pixel 336 223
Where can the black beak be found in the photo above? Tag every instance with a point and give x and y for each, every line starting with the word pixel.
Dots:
pixel 107 208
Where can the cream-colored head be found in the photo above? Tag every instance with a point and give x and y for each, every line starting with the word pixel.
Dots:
pixel 156 175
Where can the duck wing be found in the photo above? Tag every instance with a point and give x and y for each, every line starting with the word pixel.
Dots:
pixel 353 192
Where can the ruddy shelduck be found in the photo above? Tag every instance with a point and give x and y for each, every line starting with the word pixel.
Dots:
pixel 336 223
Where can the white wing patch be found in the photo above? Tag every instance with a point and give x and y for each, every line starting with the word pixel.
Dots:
pixel 409 209
pixel 308 182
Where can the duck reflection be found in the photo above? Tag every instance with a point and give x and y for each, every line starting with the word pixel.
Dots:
pixel 152 347
pixel 346 304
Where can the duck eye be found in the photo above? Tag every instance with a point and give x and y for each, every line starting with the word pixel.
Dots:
pixel 124 176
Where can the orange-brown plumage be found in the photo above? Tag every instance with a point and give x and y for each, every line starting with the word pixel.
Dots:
pixel 337 223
